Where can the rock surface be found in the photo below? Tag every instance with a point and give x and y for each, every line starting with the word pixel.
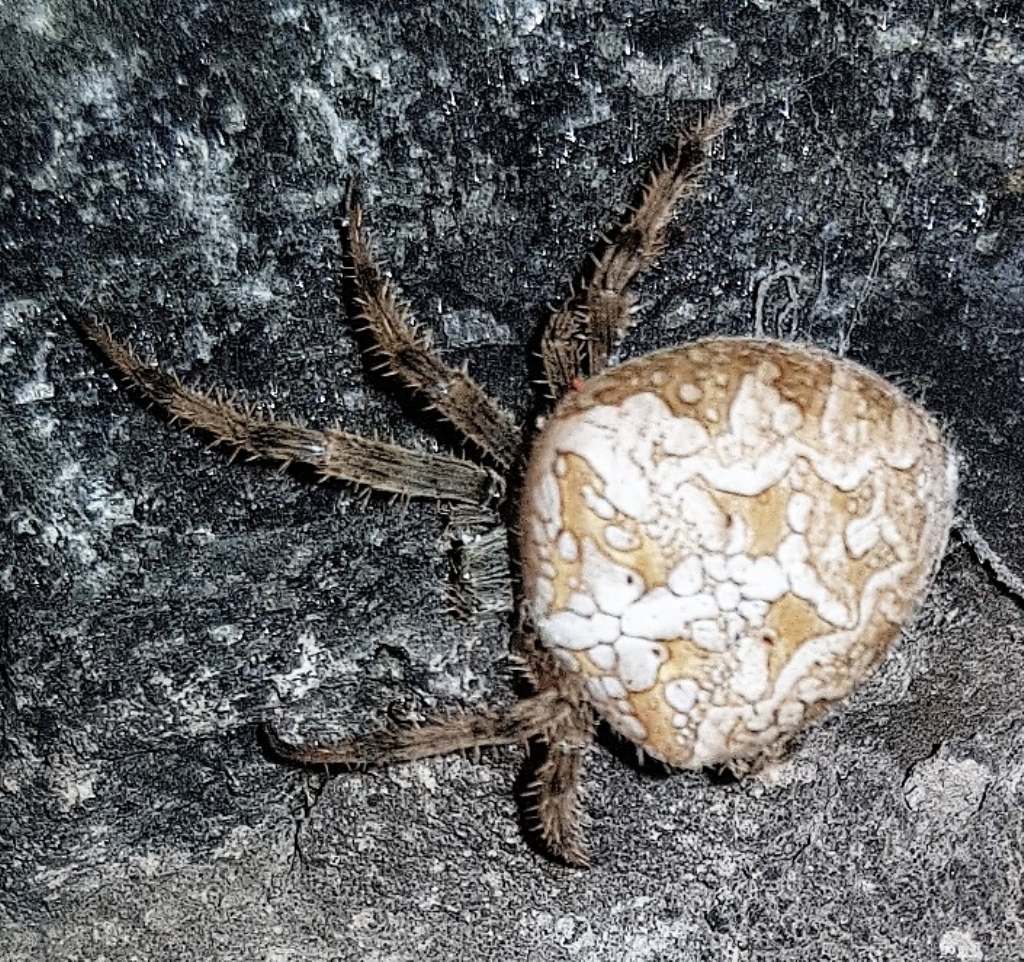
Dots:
pixel 174 169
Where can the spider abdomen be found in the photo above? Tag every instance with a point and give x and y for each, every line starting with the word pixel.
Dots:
pixel 725 538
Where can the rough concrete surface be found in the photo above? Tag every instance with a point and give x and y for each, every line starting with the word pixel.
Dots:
pixel 174 169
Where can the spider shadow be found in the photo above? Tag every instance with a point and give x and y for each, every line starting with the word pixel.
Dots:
pixel 651 768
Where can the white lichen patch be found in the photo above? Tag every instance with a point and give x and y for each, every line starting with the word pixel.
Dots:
pixel 960 944
pixel 71 783
pixel 724 571
pixel 946 790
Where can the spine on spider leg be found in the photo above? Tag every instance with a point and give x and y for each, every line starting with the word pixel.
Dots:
pixel 332 453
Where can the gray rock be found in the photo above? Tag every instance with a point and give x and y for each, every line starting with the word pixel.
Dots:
pixel 175 169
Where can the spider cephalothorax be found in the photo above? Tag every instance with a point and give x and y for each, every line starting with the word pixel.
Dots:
pixel 718 542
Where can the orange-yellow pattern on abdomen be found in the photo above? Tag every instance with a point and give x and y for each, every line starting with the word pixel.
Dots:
pixel 725 538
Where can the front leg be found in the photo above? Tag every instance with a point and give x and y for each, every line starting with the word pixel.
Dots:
pixel 406 351
pixel 332 453
pixel 600 312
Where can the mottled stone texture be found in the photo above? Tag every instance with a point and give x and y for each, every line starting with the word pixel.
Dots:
pixel 173 168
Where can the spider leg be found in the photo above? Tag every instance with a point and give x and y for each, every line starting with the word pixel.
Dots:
pixel 332 453
pixel 561 350
pixel 480 582
pixel 557 812
pixel 558 809
pixel 406 351
pixel 600 312
pixel 522 721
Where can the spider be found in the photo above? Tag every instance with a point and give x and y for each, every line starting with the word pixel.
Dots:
pixel 716 542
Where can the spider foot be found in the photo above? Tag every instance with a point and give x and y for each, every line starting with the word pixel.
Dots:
pixel 555 810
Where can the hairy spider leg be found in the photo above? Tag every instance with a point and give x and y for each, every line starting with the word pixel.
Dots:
pixel 406 352
pixel 558 809
pixel 332 453
pixel 520 722
pixel 481 584
pixel 600 312
pixel 555 796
